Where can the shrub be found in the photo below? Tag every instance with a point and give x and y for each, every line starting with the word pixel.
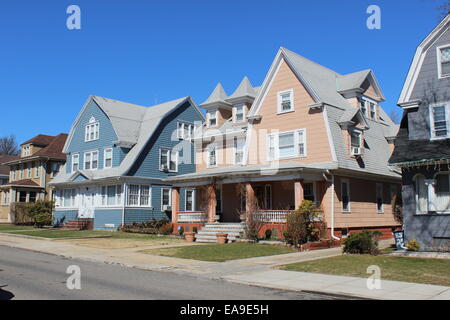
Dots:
pixel 274 234
pixel 413 245
pixel 150 227
pixel 268 234
pixel 194 229
pixel 166 229
pixel 365 242
pixel 301 225
pixel 252 234
pixel 40 212
pixel 181 231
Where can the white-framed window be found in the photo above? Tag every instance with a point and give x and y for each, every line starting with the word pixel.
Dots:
pixel 372 111
pixel 239 144
pixel 68 198
pixel 26 150
pixel 111 195
pixel 363 104
pixel 368 107
pixel 168 160
pixel 139 195
pixel 36 167
pixel 239 113
pixel 189 200
pixel 379 198
pixel 421 194
pixel 92 130
pixel 356 144
pixel 75 162
pixel 91 160
pixel 286 101
pixel 345 195
pixel 211 156
pixel 443 61
pixel 439 120
pixel 28 170
pixel 108 158
pixel 212 118
pixel 166 198
pixel 185 130
pixel 284 145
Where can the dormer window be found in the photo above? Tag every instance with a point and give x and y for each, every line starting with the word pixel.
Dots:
pixel 355 142
pixel 212 118
pixel 372 111
pixel 92 130
pixel 26 150
pixel 439 116
pixel 285 101
pixel 363 106
pixel 239 113
pixel 443 55
pixel 368 108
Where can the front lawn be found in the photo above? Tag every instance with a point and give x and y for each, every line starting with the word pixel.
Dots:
pixel 56 234
pixel 12 227
pixel 419 270
pixel 221 252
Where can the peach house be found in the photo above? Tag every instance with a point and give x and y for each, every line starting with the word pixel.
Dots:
pixel 306 133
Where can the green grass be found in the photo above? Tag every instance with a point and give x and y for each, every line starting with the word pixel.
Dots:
pixel 221 252
pixel 12 227
pixel 61 234
pixel 419 270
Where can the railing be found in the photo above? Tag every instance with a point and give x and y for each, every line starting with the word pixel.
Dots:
pixel 272 216
pixel 442 202
pixel 192 216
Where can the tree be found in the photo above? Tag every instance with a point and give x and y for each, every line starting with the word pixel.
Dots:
pixel 444 9
pixel 9 145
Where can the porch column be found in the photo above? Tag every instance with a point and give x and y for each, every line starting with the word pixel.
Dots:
pixel 431 194
pixel 249 200
pixel 212 201
pixel 298 193
pixel 175 203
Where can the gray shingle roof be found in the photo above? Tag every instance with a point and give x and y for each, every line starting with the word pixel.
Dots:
pixel 217 96
pixel 352 80
pixel 245 89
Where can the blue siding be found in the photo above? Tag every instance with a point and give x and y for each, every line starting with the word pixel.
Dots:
pixel 107 216
pixel 62 216
pixel 147 165
pixel 106 138
pixel 143 215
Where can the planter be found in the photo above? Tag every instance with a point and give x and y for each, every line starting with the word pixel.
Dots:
pixel 189 236
pixel 222 237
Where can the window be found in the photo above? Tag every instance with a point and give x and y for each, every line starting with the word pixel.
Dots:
pixel 363 106
pixel 218 199
pixel 211 160
pixel 92 130
pixel 286 101
pixel 28 170
pixel 442 191
pixel 308 192
pixel 36 169
pixel 26 150
pixel 345 195
pixel 355 142
pixel 268 196
pixel 212 118
pixel 32 196
pixel 238 150
pixel 442 183
pixel 379 196
pixel 238 113
pixel 68 198
pixel 439 115
pixel 287 145
pixel 139 195
pixel 75 162
pixel 185 131
pixel 91 160
pixel 373 110
pixel 166 198
pixel 421 194
pixel 190 200
pixel 443 55
pixel 108 155
pixel 168 160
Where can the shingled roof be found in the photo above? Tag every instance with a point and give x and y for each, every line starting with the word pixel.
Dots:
pixel 4 169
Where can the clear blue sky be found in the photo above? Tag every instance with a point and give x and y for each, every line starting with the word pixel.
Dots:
pixel 149 51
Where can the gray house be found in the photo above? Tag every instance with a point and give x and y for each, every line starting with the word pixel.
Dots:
pixel 422 146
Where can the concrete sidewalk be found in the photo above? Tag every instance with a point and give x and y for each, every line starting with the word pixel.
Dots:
pixel 258 271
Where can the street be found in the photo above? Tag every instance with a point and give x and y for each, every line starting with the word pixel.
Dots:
pixel 31 275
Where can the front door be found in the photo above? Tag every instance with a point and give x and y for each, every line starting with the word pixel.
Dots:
pixel 86 209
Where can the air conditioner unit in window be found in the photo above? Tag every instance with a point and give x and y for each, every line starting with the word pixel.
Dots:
pixel 164 168
pixel 356 151
pixel 167 208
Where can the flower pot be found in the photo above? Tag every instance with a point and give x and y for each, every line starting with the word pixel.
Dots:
pixel 222 237
pixel 189 236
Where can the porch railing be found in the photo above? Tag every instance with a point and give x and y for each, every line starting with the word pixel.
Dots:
pixel 272 216
pixel 192 216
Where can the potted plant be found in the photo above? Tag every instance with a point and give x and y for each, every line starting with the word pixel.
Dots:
pixel 189 236
pixel 221 237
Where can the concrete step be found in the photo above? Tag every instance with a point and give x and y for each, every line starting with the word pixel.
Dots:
pixel 209 231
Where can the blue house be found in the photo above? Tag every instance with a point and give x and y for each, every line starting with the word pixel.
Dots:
pixel 118 156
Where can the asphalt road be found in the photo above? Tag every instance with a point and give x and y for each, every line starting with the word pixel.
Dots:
pixel 32 275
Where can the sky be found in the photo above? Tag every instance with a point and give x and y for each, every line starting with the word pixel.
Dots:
pixel 151 51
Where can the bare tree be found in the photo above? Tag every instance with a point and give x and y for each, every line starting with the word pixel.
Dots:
pixel 395 116
pixel 9 145
pixel 444 9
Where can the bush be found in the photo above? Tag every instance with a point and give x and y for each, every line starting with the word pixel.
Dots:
pixel 166 229
pixel 194 229
pixel 181 231
pixel 413 245
pixel 252 234
pixel 150 227
pixel 301 225
pixel 40 212
pixel 268 234
pixel 365 242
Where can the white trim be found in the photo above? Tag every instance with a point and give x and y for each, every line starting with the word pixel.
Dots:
pixel 139 205
pixel 193 199
pixel 208 117
pixel 91 152
pixel 234 113
pixel 170 196
pixel 279 101
pixel 446 105
pixel 208 149
pixel 296 143
pixel 235 148
pixel 104 157
pixel 329 135
pixel 171 153
pixel 92 125
pixel 439 62
pixel 347 181
pixel 77 155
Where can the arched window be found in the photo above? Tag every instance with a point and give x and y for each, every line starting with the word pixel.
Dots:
pixel 442 190
pixel 421 194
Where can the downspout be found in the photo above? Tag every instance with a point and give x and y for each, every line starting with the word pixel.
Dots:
pixel 332 209
pixel 124 190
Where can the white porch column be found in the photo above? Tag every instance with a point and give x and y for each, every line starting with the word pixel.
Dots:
pixel 431 205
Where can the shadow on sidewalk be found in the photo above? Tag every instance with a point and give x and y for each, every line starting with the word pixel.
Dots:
pixel 5 295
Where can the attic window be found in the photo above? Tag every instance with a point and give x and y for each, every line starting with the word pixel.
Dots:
pixel 212 118
pixel 355 142
pixel 92 130
pixel 443 55
pixel 285 101
pixel 239 113
pixel 363 106
pixel 439 115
